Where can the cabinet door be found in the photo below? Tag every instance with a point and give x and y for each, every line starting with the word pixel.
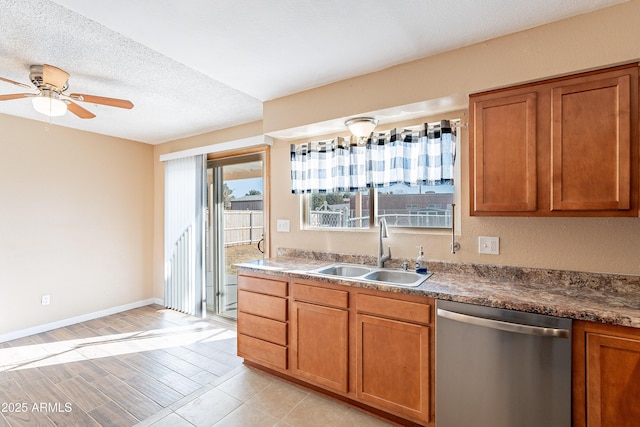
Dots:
pixel 393 365
pixel 503 153
pixel 591 143
pixel 612 381
pixel 320 345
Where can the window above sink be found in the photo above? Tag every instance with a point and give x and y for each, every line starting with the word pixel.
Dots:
pixel 408 184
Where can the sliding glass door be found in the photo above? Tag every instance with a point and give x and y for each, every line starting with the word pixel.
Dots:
pixel 235 230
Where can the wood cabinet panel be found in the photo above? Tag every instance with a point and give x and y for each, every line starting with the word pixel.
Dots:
pixel 263 285
pixel 375 353
pixel 263 305
pixel 613 381
pixel 591 144
pixel 262 352
pixel 320 345
pixel 260 327
pixel 320 295
pixel 394 308
pixel 393 365
pixel 560 147
pixel 503 163
pixel 606 375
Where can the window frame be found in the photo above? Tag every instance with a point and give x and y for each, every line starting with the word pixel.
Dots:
pixel 373 192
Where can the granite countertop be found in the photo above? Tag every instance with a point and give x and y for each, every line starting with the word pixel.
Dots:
pixel 604 298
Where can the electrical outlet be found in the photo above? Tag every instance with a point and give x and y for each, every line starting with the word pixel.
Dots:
pixel 488 245
pixel 46 299
pixel 283 225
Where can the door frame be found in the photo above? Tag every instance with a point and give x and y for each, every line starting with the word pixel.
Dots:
pixel 232 157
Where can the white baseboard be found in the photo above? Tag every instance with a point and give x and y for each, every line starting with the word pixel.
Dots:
pixel 73 320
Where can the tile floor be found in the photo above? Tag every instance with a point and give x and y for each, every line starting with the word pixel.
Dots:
pixel 151 367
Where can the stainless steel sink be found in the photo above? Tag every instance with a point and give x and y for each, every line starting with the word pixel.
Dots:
pixel 344 270
pixel 372 274
pixel 397 277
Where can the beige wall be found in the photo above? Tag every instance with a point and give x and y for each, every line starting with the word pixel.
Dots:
pixel 599 39
pixel 81 214
pixel 595 40
pixel 589 41
pixel 582 244
pixel 76 215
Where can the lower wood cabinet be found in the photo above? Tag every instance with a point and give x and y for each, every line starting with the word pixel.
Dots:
pixel 262 321
pixel 370 348
pixel 606 375
pixel 262 352
pixel 394 355
pixel 320 336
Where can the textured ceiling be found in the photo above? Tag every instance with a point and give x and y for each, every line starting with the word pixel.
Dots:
pixel 195 66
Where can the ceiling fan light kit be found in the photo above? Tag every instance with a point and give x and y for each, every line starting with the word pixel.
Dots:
pixel 49 104
pixel 50 100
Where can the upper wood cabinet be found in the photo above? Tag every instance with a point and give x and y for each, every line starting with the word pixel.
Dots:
pixel 505 153
pixel 591 143
pixel 562 147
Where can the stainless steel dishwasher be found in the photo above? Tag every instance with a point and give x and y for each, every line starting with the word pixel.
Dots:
pixel 501 368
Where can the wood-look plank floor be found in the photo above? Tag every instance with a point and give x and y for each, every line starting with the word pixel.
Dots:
pixel 117 370
pixel 151 367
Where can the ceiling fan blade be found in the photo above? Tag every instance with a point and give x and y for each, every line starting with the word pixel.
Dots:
pixel 15 96
pixel 16 83
pixel 54 76
pixel 79 111
pixel 112 102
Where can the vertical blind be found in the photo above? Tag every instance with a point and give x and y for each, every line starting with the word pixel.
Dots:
pixel 183 250
pixel 423 156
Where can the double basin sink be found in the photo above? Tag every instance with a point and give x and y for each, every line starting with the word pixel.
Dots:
pixel 372 274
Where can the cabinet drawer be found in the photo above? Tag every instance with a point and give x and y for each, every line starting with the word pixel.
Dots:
pixel 324 296
pixel 263 305
pixel 404 310
pixel 263 328
pixel 263 286
pixel 263 352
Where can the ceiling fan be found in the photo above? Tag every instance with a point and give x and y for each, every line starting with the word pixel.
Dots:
pixel 51 82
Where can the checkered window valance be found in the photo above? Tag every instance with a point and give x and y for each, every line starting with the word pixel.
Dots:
pixel 422 156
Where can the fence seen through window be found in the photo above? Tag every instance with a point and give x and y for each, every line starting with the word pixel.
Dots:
pixel 401 205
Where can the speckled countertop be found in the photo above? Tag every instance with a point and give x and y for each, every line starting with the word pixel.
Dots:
pixel 605 298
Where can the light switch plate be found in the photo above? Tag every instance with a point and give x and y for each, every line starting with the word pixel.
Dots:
pixel 283 225
pixel 488 245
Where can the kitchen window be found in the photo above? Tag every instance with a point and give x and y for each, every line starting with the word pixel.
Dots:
pixel 404 175
pixel 422 206
pixel 338 210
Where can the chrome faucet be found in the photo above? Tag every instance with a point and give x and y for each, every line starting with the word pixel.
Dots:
pixel 384 233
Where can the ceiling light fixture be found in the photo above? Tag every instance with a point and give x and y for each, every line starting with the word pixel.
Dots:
pixel 49 103
pixel 362 127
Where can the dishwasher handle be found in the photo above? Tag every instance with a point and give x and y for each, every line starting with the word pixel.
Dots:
pixel 504 326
